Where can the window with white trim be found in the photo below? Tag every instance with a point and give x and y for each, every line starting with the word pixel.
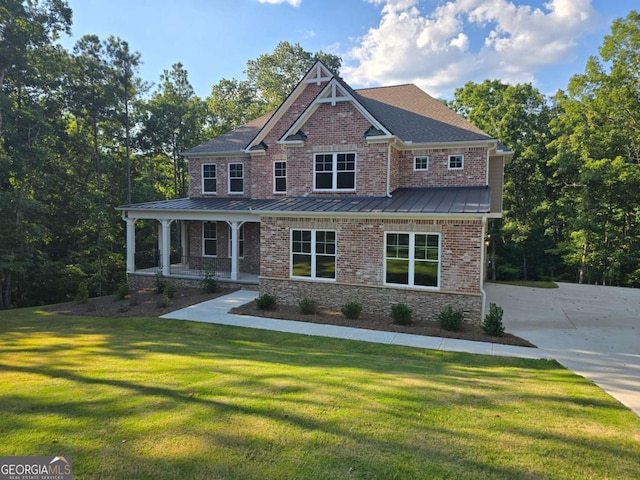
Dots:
pixel 236 178
pixel 456 162
pixel 334 171
pixel 209 239
pixel 421 163
pixel 280 177
pixel 313 254
pixel 412 259
pixel 209 178
pixel 240 242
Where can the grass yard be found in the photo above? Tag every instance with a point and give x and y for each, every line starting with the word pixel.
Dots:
pixel 133 398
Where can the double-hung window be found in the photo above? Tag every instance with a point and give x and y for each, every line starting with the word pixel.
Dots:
pixel 456 162
pixel 412 259
pixel 421 163
pixel 236 178
pixel 313 254
pixel 209 178
pixel 280 177
pixel 209 239
pixel 334 171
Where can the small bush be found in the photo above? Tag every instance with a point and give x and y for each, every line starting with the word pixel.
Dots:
pixel 163 302
pixel 451 319
pixel 352 310
pixel 266 302
pixel 82 295
pixel 160 283
pixel 308 306
pixel 492 323
pixel 122 291
pixel 401 314
pixel 170 289
pixel 209 283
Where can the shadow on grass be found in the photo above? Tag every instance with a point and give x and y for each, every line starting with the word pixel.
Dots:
pixel 328 406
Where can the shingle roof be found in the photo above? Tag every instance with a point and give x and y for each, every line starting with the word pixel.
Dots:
pixel 415 116
pixel 439 200
pixel 234 141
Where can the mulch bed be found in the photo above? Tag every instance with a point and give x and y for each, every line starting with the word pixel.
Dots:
pixel 380 322
pixel 146 303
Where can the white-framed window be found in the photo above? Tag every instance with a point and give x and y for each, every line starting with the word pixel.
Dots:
pixel 412 259
pixel 334 171
pixel 456 162
pixel 209 239
pixel 421 163
pixel 209 178
pixel 280 177
pixel 236 178
pixel 240 243
pixel 313 254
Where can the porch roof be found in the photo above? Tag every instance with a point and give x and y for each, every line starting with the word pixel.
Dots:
pixel 437 200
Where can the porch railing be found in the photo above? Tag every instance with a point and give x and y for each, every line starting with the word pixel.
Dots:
pixel 185 265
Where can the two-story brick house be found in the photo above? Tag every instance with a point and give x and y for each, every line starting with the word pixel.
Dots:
pixel 380 196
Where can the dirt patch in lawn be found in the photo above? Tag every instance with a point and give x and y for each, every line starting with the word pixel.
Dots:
pixel 143 303
pixel 380 322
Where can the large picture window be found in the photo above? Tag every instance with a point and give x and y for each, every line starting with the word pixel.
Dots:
pixel 209 178
pixel 334 171
pixel 313 254
pixel 209 239
pixel 412 259
pixel 236 178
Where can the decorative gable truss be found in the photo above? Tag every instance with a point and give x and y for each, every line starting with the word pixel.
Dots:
pixel 332 94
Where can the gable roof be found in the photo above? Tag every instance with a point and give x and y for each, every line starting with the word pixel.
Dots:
pixel 404 111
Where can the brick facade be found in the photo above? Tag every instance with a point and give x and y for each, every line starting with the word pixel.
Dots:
pixel 360 263
pixel 439 175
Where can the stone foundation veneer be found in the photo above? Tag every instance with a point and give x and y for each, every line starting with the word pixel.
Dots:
pixel 426 304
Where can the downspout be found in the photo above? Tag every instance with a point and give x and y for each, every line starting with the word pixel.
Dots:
pixel 483 265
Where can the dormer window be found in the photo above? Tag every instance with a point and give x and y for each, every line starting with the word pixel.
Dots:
pixel 334 172
pixel 456 162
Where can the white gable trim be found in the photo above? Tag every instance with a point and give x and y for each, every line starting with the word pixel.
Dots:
pixel 333 93
pixel 318 74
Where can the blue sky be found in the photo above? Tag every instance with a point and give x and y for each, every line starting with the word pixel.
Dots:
pixel 437 44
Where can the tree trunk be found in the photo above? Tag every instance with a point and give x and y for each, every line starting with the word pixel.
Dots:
pixel 583 263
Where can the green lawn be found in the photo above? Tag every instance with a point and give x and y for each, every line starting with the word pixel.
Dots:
pixel 152 399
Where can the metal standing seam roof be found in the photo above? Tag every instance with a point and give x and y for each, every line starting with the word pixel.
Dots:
pixel 437 200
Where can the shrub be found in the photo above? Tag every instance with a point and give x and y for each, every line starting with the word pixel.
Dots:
pixel 160 283
pixel 122 291
pixel 209 283
pixel 266 302
pixel 308 306
pixel 401 314
pixel 352 310
pixel 451 319
pixel 492 323
pixel 82 295
pixel 170 289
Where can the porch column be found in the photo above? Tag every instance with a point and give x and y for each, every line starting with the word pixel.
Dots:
pixel 165 246
pixel 235 249
pixel 131 244
pixel 184 239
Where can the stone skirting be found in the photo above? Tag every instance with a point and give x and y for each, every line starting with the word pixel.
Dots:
pixel 426 305
pixel 139 282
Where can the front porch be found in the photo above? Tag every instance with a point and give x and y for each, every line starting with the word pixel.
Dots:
pixel 149 264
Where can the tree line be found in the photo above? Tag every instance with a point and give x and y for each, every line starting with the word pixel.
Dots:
pixel 81 133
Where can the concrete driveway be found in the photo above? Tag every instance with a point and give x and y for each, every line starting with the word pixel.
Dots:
pixel 591 330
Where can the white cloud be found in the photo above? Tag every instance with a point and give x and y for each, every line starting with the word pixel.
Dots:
pixel 293 3
pixel 441 50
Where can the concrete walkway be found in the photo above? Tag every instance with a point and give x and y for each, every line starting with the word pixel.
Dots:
pixel 591 330
pixel 217 311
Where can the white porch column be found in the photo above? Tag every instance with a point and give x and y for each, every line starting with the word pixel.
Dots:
pixel 131 244
pixel 165 246
pixel 184 239
pixel 235 248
